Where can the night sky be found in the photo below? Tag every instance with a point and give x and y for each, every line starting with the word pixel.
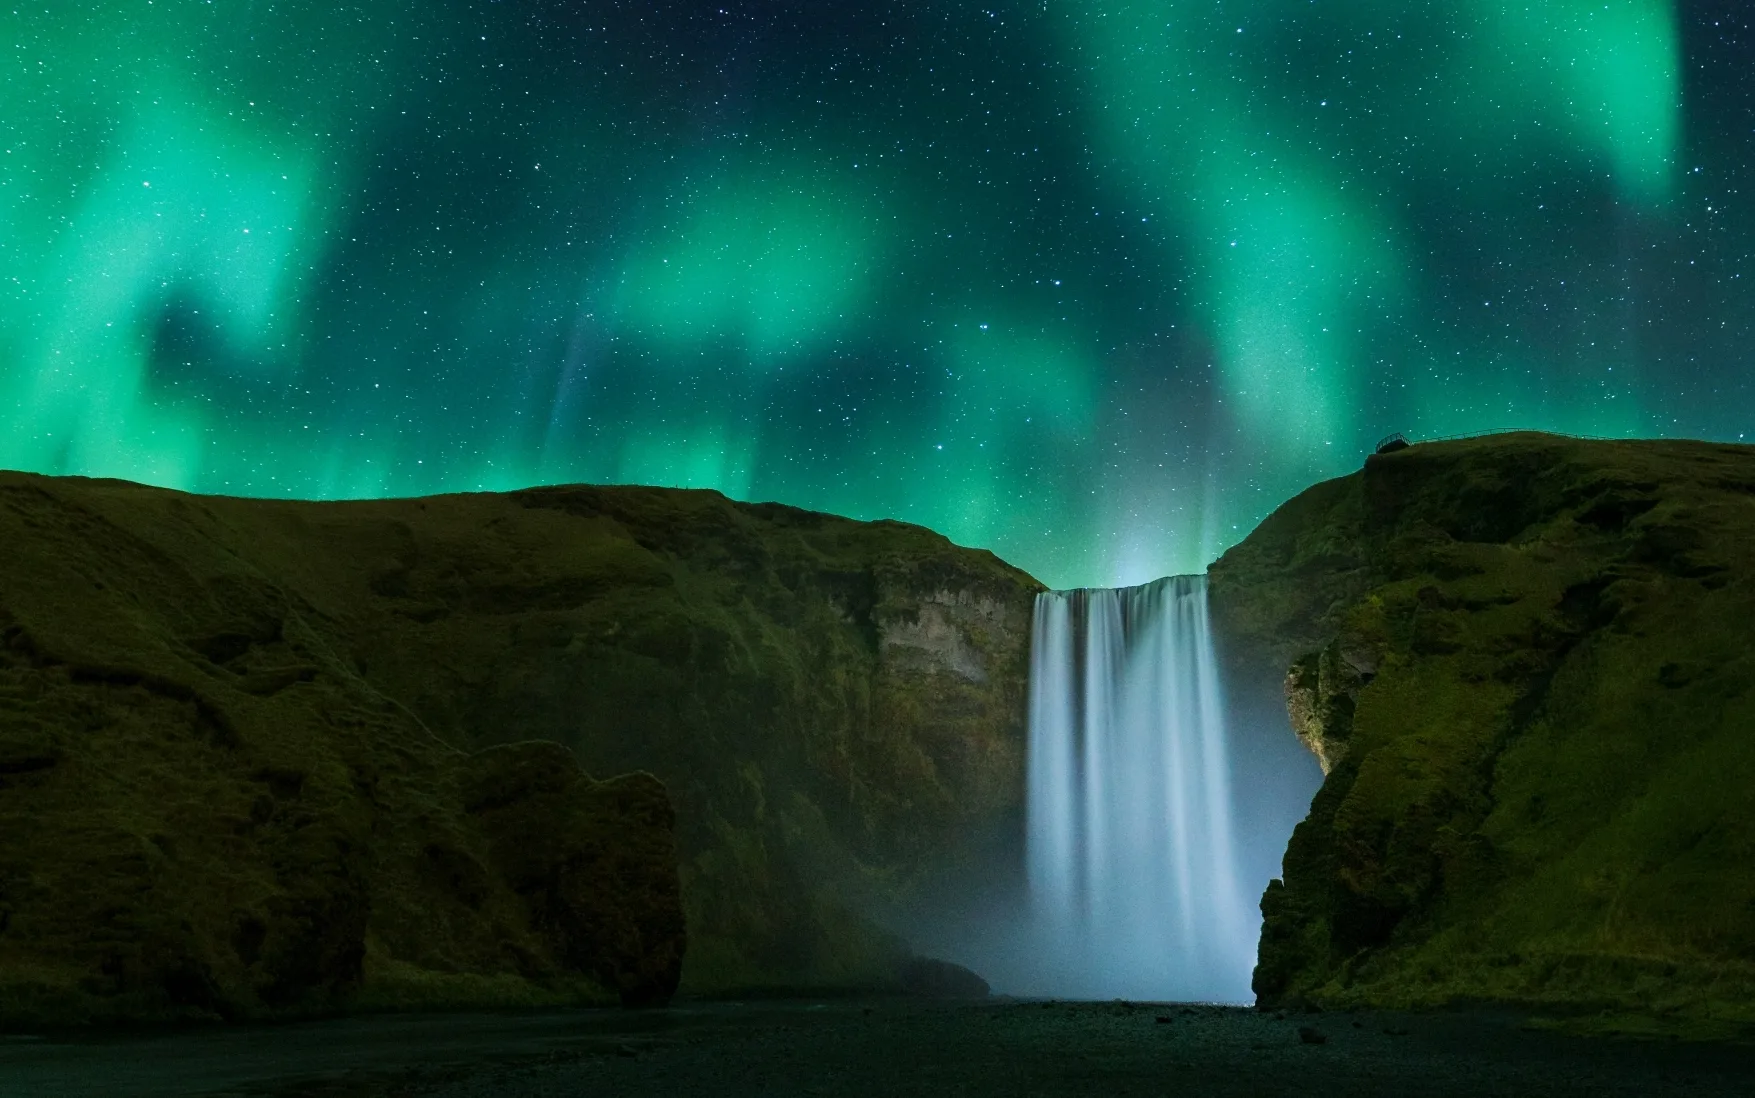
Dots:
pixel 1093 284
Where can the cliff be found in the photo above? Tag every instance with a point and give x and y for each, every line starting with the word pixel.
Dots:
pixel 289 740
pixel 206 812
pixel 1525 664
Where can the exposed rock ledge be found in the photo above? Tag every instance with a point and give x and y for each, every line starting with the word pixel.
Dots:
pixel 1525 663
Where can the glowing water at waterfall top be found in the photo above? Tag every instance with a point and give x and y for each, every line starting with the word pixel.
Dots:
pixel 1134 885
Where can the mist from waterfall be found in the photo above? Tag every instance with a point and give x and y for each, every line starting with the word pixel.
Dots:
pixel 1133 872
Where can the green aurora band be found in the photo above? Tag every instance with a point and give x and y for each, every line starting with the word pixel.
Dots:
pixel 1095 285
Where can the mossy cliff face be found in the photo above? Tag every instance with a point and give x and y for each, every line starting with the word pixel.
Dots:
pixel 229 714
pixel 836 706
pixel 1526 663
pixel 206 812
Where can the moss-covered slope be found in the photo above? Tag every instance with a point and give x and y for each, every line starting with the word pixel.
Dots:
pixel 835 707
pixel 205 811
pixel 1527 663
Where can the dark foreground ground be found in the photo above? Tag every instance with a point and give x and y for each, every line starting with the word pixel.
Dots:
pixel 875 1047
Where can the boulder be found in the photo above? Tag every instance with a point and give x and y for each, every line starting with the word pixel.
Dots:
pixel 930 978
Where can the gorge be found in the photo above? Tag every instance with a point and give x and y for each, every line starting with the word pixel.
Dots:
pixel 267 759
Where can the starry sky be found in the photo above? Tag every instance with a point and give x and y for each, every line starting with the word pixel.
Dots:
pixel 1094 284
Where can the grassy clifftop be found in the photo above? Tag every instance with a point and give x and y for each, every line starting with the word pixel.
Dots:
pixel 1526 662
pixel 835 707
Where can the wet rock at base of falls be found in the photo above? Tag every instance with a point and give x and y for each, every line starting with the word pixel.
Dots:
pixel 930 978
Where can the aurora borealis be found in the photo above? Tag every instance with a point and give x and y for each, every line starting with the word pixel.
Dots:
pixel 1092 284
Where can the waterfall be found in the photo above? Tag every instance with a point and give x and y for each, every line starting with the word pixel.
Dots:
pixel 1133 877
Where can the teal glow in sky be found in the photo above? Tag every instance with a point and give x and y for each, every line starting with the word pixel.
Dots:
pixel 1095 285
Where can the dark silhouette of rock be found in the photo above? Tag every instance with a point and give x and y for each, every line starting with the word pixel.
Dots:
pixel 935 979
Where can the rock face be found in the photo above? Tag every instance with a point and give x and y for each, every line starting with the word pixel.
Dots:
pixel 1321 688
pixel 1525 663
pixel 290 740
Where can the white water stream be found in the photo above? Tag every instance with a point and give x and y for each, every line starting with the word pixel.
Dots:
pixel 1132 865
